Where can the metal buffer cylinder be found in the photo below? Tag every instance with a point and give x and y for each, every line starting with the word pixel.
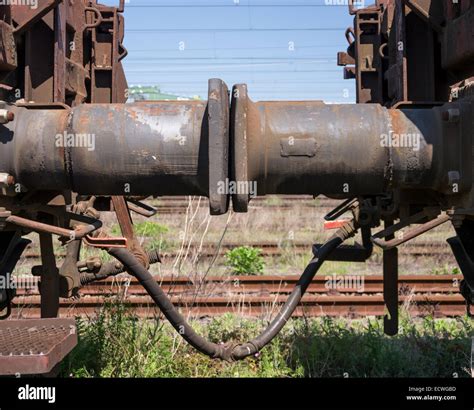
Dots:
pixel 150 148
pixel 342 151
pixel 184 148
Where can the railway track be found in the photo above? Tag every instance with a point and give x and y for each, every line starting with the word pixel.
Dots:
pixel 259 296
pixel 177 205
pixel 269 249
pixel 438 249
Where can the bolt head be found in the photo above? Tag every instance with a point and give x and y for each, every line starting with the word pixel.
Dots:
pixel 452 115
pixel 454 176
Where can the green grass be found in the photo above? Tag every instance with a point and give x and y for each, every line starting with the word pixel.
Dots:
pixel 147 229
pixel 445 270
pixel 117 344
pixel 160 243
pixel 154 233
pixel 273 201
pixel 245 260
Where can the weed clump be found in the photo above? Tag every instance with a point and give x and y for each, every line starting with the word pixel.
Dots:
pixel 245 260
pixel 116 343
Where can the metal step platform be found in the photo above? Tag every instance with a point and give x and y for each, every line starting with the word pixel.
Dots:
pixel 34 347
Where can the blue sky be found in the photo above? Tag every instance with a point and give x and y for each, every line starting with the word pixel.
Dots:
pixel 283 49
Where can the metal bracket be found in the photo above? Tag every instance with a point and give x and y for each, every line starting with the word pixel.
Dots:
pixel 77 233
pixel 105 242
pixel 141 208
pixel 341 209
pixel 126 226
pixel 70 278
pixel 413 233
pixel 98 14
pixel 390 288
pixel 351 253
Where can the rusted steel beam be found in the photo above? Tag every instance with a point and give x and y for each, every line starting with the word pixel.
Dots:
pixel 59 88
pixel 390 288
pixel 458 43
pixel 25 17
pixel 8 51
pixel 49 278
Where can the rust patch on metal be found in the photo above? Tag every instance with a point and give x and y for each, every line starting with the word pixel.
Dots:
pixel 35 346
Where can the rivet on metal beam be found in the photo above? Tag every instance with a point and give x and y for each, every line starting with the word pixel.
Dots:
pixel 452 115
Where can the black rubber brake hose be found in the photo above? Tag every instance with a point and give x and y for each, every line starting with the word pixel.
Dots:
pixel 231 352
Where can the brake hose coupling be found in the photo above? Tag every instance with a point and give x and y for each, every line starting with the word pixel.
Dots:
pixel 348 230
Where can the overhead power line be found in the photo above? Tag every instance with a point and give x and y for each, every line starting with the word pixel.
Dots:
pixel 186 72
pixel 229 30
pixel 245 64
pixel 139 82
pixel 226 60
pixel 275 59
pixel 281 47
pixel 232 6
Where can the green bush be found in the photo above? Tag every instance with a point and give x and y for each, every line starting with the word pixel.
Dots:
pixel 245 260
pixel 150 229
